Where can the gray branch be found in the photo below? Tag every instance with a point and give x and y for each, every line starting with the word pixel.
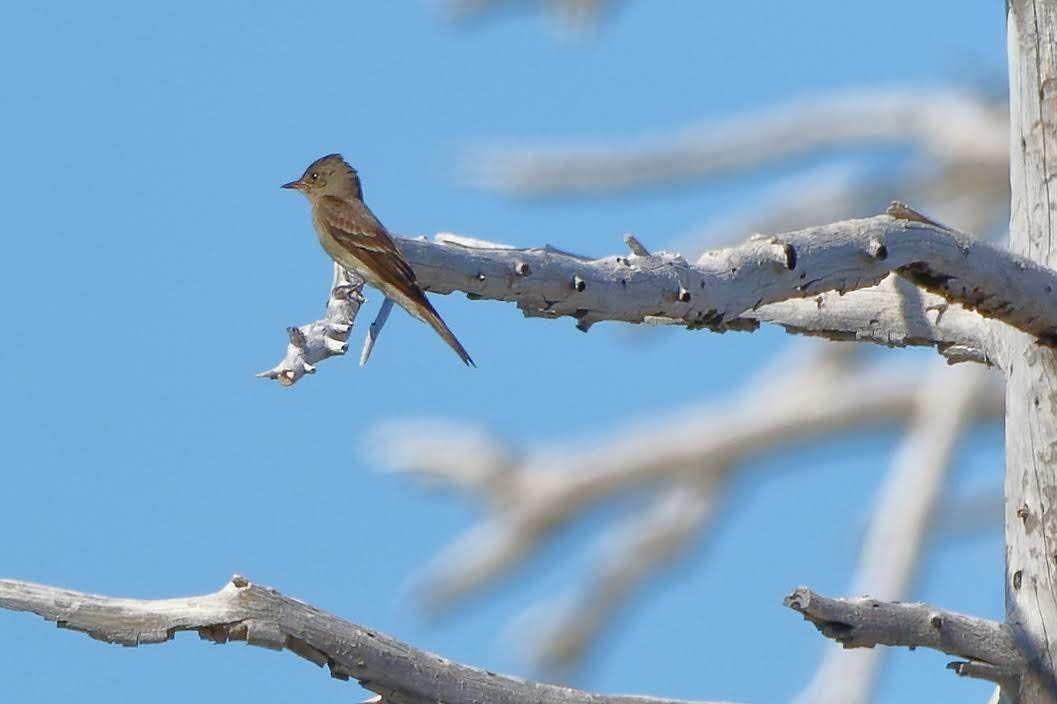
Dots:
pixel 728 288
pixel 375 330
pixel 864 623
pixel 724 284
pixel 906 501
pixel 398 672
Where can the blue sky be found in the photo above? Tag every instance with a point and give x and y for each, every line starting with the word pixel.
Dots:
pixel 151 264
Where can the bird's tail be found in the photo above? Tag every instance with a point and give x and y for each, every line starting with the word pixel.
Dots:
pixel 432 317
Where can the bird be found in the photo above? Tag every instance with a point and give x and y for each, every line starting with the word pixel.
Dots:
pixel 358 241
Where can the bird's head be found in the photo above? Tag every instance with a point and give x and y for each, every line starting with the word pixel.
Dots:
pixel 328 176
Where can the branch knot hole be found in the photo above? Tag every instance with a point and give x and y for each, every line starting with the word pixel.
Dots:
pixel 877 249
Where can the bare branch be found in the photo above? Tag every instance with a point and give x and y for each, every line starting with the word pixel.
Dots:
pixel 313 342
pixel 726 288
pixel 865 623
pixel 901 520
pixel 823 194
pixel 726 283
pixel 563 628
pixel 534 492
pixel 375 330
pixel 973 196
pixel 559 631
pixel 399 673
pixel 944 123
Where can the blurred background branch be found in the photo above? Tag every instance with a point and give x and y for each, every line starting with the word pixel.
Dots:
pixel 959 139
pixel 813 392
pixel 908 498
pixel 956 168
pixel 575 15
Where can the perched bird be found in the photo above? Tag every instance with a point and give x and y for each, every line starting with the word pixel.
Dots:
pixel 355 239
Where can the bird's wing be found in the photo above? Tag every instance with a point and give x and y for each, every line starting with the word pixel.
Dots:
pixel 352 224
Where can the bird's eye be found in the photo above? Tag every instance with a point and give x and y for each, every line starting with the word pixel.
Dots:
pixel 314 177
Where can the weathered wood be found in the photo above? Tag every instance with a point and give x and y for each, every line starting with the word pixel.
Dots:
pixel 866 623
pixel 900 524
pixel 398 672
pixel 726 289
pixel 1031 389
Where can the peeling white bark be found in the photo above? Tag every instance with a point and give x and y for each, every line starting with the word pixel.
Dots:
pixel 397 672
pixel 313 342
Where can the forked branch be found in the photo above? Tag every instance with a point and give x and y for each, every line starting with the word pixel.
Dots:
pixel 534 491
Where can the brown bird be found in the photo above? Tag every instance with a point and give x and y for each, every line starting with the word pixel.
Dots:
pixel 355 239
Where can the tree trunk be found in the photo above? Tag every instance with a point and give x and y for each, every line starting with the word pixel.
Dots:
pixel 1031 390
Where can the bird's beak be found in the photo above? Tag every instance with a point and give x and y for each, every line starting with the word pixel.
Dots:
pixel 296 185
